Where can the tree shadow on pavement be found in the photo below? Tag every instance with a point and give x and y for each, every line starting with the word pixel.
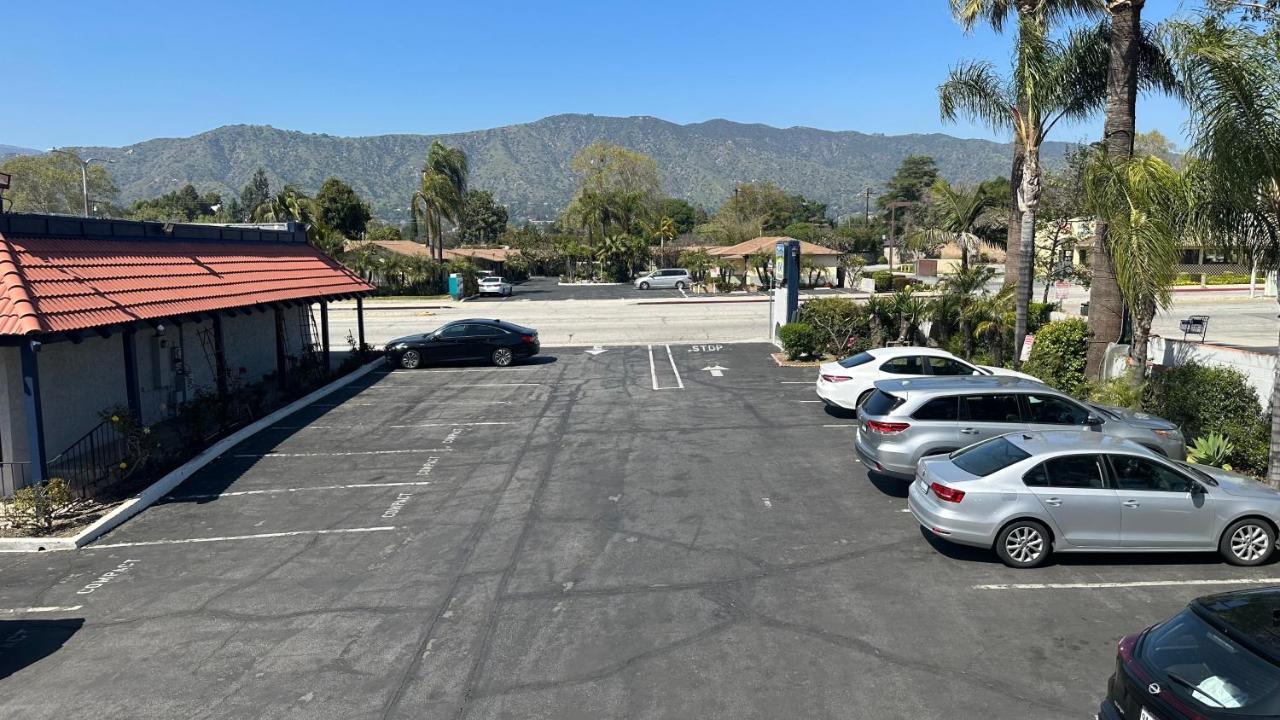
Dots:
pixel 26 642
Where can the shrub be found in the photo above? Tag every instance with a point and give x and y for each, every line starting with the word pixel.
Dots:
pixel 883 280
pixel 1202 399
pixel 1212 449
pixel 1058 356
pixel 798 340
pixel 834 321
pixel 1038 315
pixel 1118 392
pixel 36 506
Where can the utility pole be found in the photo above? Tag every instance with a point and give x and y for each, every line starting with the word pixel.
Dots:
pixel 893 225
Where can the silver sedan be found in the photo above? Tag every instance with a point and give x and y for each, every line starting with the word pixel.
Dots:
pixel 1026 495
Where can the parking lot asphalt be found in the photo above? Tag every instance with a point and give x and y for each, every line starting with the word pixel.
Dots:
pixel 666 531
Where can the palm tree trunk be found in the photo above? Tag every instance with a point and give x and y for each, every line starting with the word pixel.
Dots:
pixel 1013 238
pixel 1106 306
pixel 1029 202
pixel 1143 314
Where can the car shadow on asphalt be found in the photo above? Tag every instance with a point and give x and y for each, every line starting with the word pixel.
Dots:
pixel 26 642
pixel 986 556
pixel 892 486
pixel 840 413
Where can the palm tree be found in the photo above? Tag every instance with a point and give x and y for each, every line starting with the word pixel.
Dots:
pixel 1051 81
pixel 968 287
pixel 1035 19
pixel 957 210
pixel 1130 57
pixel 1231 83
pixel 1146 205
pixel 443 192
pixel 908 310
pixel 993 317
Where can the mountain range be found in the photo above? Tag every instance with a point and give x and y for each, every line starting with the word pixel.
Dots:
pixel 526 166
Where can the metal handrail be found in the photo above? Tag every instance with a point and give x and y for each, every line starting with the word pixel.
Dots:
pixel 89 460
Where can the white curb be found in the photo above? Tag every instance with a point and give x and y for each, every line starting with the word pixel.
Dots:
pixel 161 487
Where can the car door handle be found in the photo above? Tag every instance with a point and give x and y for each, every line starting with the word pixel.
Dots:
pixel 1130 503
pixel 1053 501
pixel 968 431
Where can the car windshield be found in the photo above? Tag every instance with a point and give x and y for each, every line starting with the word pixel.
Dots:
pixel 989 456
pixel 1210 669
pixel 856 360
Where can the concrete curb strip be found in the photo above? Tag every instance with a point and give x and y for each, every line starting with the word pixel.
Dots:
pixel 161 487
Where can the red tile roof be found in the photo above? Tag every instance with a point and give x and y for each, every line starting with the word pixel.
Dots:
pixel 53 284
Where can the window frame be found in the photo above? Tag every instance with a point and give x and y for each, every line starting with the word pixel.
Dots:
pixel 1102 466
pixel 1025 402
pixel 919 360
pixel 964 407
pixel 955 402
pixel 1115 473
pixel 972 368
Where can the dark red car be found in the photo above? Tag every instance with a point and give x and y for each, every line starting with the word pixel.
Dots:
pixel 1218 658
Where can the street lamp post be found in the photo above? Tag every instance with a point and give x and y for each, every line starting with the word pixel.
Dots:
pixel 84 172
pixel 893 225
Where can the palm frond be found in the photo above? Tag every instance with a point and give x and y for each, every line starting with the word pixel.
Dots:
pixel 975 90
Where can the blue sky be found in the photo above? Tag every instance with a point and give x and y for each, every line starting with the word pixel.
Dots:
pixel 118 73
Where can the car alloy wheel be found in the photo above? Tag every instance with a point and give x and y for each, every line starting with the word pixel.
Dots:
pixel 1248 542
pixel 502 357
pixel 410 360
pixel 1024 544
pixel 644 286
pixel 680 285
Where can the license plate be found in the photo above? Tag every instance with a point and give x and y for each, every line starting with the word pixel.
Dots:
pixel 1146 715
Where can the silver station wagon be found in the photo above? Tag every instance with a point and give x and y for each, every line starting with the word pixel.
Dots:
pixel 905 420
pixel 1026 495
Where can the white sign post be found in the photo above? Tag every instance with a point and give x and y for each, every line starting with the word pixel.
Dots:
pixel 1027 342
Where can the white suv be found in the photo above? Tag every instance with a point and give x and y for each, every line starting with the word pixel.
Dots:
pixel 677 278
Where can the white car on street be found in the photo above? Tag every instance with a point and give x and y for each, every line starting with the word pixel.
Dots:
pixel 847 383
pixel 493 285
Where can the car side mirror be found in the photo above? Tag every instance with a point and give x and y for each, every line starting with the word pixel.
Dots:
pixel 975 372
pixel 1093 421
pixel 1195 488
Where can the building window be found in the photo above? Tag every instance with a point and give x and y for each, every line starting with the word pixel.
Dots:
pixel 1084 257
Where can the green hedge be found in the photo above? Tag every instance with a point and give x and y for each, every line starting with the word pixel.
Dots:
pixel 1058 356
pixel 883 280
pixel 798 340
pixel 1202 399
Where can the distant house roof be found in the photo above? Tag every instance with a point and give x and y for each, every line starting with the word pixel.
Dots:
pixel 402 247
pixel 490 254
pixel 61 274
pixel 766 244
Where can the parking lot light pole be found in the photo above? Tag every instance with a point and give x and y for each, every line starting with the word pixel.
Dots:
pixel 84 172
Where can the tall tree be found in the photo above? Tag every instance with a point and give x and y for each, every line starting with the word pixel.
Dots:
pixel 339 207
pixel 617 189
pixel 911 182
pixel 256 192
pixel 483 219
pixel 444 188
pixel 1035 19
pixel 51 183
pixel 681 212
pixel 1051 81
pixel 956 210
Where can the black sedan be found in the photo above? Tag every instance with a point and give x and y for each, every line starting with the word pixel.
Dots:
pixel 500 343
pixel 1218 658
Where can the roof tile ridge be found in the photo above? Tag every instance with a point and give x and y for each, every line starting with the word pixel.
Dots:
pixel 13 286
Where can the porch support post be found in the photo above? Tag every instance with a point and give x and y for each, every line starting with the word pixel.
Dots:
pixel 324 335
pixel 282 366
pixel 219 355
pixel 131 372
pixel 32 407
pixel 360 325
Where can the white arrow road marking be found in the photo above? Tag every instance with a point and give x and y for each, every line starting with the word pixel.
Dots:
pixel 716 370
pixel 596 350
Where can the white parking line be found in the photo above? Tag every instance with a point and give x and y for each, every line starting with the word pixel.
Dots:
pixel 343 454
pixel 848 425
pixel 796 382
pixel 809 401
pixel 48 609
pixel 260 536
pixel 457 424
pixel 352 427
pixel 674 369
pixel 653 370
pixel 278 491
pixel 1132 584
pixel 399 387
pixel 410 402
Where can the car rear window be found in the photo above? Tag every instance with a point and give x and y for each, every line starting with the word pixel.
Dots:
pixel 988 456
pixel 881 403
pixel 856 360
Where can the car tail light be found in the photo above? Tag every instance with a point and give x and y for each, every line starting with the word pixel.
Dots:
pixel 529 338
pixel 947 494
pixel 886 428
pixel 836 378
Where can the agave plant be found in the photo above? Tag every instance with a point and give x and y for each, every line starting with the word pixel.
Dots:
pixel 1212 449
